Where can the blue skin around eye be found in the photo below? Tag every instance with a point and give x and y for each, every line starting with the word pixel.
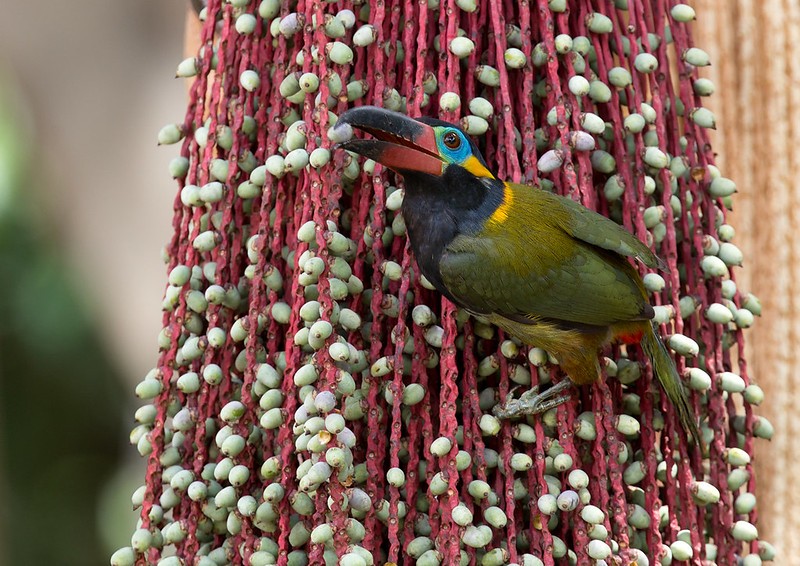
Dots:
pixel 457 156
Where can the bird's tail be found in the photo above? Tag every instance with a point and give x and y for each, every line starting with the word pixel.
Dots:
pixel 664 368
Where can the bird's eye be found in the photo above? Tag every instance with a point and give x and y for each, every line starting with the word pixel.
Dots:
pixel 452 140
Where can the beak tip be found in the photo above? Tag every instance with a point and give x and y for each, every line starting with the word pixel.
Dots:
pixel 340 132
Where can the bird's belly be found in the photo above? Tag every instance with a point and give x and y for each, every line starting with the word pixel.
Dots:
pixel 576 350
pixel 548 336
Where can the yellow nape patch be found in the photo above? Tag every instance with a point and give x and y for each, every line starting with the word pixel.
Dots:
pixel 474 166
pixel 501 214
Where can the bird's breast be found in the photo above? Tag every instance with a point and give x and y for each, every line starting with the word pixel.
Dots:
pixel 430 229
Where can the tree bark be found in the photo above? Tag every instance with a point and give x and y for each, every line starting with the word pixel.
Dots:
pixel 753 49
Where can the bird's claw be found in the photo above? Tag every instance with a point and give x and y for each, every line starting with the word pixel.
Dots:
pixel 512 407
pixel 532 402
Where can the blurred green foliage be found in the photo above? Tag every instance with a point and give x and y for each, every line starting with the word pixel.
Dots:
pixel 60 393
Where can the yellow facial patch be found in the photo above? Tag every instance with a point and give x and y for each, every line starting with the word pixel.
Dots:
pixel 474 166
pixel 501 214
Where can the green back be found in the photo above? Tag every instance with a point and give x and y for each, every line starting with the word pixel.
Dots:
pixel 551 258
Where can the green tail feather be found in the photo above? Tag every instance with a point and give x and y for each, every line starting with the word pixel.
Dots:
pixel 664 368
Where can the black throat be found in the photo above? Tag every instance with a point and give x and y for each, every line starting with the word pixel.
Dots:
pixel 436 209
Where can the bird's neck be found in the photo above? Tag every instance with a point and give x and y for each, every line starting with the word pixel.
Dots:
pixel 457 197
pixel 437 209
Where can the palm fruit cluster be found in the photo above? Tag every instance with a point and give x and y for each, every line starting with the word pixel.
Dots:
pixel 315 402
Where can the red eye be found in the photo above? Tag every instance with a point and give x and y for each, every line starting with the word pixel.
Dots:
pixel 452 140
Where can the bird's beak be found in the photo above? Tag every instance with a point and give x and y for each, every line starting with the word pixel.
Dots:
pixel 401 143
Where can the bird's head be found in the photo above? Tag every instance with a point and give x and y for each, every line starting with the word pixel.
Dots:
pixel 411 147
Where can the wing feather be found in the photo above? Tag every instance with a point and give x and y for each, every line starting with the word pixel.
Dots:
pixel 596 229
pixel 549 265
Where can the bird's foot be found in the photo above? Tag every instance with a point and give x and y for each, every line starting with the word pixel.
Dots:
pixel 532 402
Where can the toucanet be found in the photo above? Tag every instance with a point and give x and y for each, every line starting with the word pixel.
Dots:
pixel 540 266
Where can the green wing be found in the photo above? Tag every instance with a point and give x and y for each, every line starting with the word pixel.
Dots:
pixel 596 229
pixel 551 260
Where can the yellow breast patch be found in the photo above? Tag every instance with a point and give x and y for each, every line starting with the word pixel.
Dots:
pixel 501 214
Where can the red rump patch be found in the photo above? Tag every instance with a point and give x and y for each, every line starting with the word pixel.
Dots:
pixel 631 337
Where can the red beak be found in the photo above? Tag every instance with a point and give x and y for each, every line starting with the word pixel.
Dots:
pixel 401 143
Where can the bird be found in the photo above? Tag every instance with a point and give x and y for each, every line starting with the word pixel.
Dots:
pixel 540 266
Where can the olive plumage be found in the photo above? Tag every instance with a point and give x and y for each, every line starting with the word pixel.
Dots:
pixel 540 266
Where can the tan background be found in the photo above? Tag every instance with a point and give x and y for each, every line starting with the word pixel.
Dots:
pixel 94 82
pixel 753 47
pixel 97 77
